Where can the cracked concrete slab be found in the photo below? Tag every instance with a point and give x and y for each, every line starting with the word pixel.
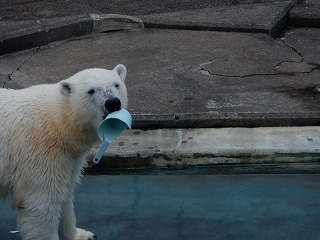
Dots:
pixel 306 41
pixel 10 63
pixel 20 35
pixel 260 17
pixel 292 68
pixel 3 80
pixel 11 70
pixel 249 56
pixel 259 81
pixel 12 85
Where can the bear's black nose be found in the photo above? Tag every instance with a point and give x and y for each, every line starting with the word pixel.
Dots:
pixel 113 104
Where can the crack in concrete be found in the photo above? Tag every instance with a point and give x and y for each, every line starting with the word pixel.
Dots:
pixel 282 39
pixel 5 82
pixel 58 43
pixel 23 62
pixel 281 72
pixel 209 73
pixel 316 65
pixel 69 40
pixel 4 78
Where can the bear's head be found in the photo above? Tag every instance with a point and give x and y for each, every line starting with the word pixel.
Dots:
pixel 94 93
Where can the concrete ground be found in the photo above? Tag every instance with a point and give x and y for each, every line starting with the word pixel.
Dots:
pixel 38 9
pixel 222 93
pixel 197 68
pixel 206 207
pixel 190 78
pixel 224 150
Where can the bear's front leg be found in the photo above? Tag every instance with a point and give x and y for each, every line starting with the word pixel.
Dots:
pixel 38 222
pixel 85 235
pixel 67 227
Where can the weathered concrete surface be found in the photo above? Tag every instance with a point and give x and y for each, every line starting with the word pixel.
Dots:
pixel 25 24
pixel 261 17
pixel 302 40
pixel 220 207
pixel 306 14
pixel 191 78
pixel 20 35
pixel 38 9
pixel 225 150
pixel 3 80
pixel 114 22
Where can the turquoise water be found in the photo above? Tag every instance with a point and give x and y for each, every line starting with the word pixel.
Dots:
pixel 196 207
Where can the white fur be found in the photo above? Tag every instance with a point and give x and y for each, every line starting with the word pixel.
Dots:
pixel 45 132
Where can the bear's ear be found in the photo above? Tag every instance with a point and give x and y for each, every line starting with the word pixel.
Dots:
pixel 65 88
pixel 121 70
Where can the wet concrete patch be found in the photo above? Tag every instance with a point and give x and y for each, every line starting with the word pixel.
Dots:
pixel 212 151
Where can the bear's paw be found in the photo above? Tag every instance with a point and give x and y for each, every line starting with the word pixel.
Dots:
pixel 85 235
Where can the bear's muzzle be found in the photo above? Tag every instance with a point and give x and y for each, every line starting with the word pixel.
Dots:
pixel 113 104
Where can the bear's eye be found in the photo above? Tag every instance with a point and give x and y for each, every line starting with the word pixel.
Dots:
pixel 91 91
pixel 116 85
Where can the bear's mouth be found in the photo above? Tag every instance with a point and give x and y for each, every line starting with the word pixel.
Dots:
pixel 105 114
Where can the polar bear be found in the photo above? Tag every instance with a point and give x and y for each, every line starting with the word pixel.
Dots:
pixel 45 132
